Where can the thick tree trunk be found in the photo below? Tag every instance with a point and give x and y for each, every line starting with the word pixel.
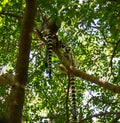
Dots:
pixel 17 94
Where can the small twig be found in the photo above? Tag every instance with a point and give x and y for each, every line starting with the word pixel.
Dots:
pixel 44 18
pixel 10 14
pixel 115 120
pixel 113 54
pixel 104 36
pixel 40 36
pixel 67 99
pixel 99 114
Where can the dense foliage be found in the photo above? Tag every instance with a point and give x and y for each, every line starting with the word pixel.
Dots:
pixel 92 30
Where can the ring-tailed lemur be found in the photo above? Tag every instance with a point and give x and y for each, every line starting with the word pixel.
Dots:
pixel 71 78
pixel 48 31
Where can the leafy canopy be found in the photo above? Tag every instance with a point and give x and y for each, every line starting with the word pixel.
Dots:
pixel 92 29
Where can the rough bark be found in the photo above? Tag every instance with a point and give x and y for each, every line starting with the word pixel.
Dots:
pixel 16 99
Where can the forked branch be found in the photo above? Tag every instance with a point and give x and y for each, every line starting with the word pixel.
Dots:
pixel 77 72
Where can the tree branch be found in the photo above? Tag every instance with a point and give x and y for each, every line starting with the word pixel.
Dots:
pixel 85 76
pixel 68 65
pixel 113 54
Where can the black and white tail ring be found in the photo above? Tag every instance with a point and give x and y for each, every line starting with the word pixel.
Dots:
pixel 49 38
pixel 73 94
